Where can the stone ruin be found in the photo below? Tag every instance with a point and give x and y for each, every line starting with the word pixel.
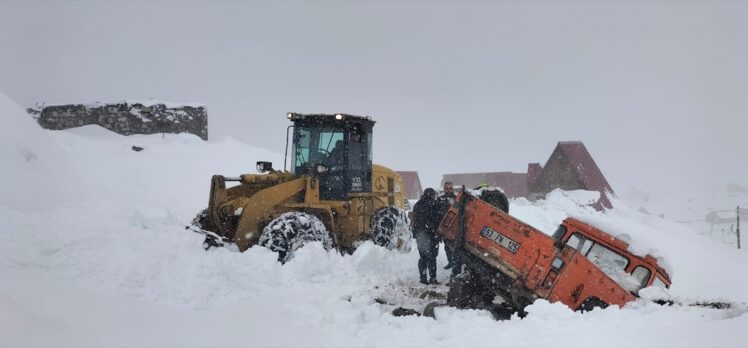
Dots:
pixel 129 117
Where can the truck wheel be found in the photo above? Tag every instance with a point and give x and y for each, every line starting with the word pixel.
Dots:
pixel 465 291
pixel 496 198
pixel 291 231
pixel 390 228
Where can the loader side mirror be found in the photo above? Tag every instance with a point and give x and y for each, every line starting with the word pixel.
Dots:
pixel 264 167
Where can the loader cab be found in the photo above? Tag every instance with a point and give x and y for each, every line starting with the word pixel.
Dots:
pixel 337 149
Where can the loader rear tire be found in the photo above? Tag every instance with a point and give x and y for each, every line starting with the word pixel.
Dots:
pixel 390 228
pixel 291 231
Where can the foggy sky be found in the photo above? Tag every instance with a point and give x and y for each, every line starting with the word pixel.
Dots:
pixel 658 91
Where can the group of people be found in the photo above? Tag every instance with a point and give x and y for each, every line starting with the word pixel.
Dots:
pixel 427 214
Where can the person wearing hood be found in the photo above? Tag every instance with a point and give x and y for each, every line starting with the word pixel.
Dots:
pixel 427 214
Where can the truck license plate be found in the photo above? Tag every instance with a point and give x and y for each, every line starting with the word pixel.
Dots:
pixel 500 239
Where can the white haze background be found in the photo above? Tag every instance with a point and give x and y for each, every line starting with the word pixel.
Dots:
pixel 93 250
pixel 98 256
pixel 658 91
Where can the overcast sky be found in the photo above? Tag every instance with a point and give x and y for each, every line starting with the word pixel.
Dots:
pixel 657 91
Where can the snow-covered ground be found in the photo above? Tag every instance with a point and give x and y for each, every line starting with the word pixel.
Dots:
pixel 93 252
pixel 691 208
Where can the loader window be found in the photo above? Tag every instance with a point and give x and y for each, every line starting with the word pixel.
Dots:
pixel 302 148
pixel 332 150
pixel 314 145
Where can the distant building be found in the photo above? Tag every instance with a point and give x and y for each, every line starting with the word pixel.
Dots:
pixel 736 189
pixel 570 167
pixel 513 184
pixel 723 217
pixel 411 184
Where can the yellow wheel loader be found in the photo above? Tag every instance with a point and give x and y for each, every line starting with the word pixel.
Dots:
pixel 330 193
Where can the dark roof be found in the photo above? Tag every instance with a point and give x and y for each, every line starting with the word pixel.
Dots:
pixel 533 173
pixel 411 184
pixel 513 184
pixel 587 171
pixel 586 168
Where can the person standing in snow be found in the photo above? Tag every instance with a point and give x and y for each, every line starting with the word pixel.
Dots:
pixel 427 214
pixel 445 201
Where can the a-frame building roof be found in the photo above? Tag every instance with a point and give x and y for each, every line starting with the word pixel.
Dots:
pixel 583 167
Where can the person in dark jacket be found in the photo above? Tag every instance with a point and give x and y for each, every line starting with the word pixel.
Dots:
pixel 445 201
pixel 427 215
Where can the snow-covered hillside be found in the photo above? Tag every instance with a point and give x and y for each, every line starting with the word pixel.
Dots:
pixel 693 209
pixel 93 252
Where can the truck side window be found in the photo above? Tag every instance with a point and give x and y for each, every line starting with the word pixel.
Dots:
pixel 605 258
pixel 579 242
pixel 641 274
pixel 586 246
pixel 574 241
pixel 560 232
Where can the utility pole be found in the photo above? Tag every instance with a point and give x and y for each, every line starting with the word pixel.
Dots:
pixel 738 231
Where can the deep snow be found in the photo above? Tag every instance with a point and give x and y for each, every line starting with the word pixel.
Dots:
pixel 93 252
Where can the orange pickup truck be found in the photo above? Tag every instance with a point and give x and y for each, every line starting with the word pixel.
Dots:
pixel 579 266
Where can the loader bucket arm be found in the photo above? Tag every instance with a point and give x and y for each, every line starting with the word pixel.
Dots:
pixel 218 196
pixel 261 206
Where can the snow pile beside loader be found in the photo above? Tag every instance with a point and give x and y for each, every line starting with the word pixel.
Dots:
pixel 106 261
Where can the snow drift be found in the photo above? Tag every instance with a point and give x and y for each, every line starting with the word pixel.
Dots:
pixel 93 252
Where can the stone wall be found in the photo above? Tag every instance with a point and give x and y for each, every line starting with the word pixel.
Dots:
pixel 127 117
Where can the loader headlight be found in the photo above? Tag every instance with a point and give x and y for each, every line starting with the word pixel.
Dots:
pixel 338 117
pixel 263 167
pixel 321 169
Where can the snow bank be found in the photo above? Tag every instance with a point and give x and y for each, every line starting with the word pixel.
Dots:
pixel 699 267
pixel 106 261
pixel 34 172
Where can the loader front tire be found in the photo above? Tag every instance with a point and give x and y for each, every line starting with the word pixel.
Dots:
pixel 390 228
pixel 291 231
